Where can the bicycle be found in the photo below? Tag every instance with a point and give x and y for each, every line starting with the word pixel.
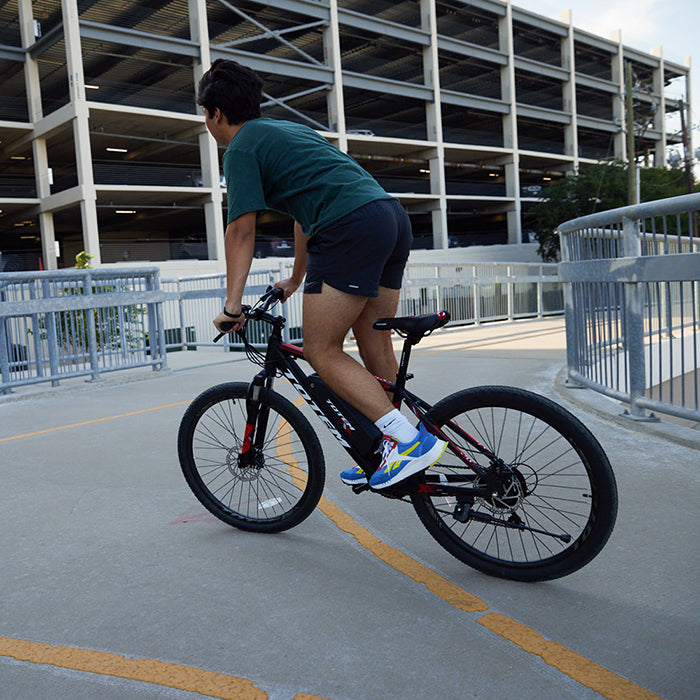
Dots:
pixel 524 491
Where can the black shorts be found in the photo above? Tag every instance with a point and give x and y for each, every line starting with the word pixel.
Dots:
pixel 361 252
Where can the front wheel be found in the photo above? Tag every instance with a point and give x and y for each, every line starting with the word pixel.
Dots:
pixel 275 490
pixel 556 501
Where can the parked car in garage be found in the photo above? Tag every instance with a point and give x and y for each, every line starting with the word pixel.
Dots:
pixel 277 247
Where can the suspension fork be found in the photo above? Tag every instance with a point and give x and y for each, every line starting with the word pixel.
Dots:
pixel 257 416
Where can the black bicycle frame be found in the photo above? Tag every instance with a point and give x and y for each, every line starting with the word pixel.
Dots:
pixel 356 433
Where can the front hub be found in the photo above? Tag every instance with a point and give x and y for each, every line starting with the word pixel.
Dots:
pixel 245 466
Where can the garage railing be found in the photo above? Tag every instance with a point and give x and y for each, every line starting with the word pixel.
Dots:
pixel 84 323
pixel 472 293
pixel 78 323
pixel 632 287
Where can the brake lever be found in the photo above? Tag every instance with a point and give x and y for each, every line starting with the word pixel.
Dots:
pixel 272 295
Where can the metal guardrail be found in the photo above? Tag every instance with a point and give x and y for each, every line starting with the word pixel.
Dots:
pixel 192 303
pixel 472 293
pixel 632 293
pixel 56 325
pixel 478 292
pixel 74 323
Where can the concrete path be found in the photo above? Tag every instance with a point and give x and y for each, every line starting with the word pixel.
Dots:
pixel 117 584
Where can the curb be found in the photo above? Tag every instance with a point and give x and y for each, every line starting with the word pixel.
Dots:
pixel 605 408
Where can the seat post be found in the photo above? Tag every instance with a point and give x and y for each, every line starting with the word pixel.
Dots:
pixel 402 372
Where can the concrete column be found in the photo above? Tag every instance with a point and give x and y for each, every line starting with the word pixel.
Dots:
pixel 81 131
pixel 208 151
pixel 39 150
pixel 510 124
pixel 660 116
pixel 618 77
pixel 568 61
pixel 431 71
pixel 336 103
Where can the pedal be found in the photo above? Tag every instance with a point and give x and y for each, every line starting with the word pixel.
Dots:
pixel 359 488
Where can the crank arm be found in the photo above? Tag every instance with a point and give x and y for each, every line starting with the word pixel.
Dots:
pixel 464 514
pixel 463 493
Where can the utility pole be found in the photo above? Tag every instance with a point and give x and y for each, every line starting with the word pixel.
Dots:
pixel 629 104
pixel 688 165
pixel 687 157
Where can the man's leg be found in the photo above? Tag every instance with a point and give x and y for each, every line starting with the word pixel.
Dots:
pixel 328 316
pixel 376 348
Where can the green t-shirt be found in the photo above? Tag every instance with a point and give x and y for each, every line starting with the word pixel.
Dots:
pixel 276 164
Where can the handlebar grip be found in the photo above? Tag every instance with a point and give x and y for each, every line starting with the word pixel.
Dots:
pixel 225 327
pixel 272 294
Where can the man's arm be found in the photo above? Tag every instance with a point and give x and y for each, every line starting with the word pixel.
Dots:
pixel 239 246
pixel 289 286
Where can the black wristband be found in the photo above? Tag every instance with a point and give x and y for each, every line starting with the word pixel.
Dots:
pixel 226 313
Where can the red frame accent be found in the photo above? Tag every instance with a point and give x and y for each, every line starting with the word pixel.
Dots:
pixel 246 438
pixel 292 349
pixel 386 384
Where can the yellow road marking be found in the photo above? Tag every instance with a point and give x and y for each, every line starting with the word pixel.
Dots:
pixel 574 665
pixel 439 585
pixel 395 558
pixel 92 422
pixel 195 680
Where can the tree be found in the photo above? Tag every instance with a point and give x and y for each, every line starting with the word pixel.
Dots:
pixel 596 188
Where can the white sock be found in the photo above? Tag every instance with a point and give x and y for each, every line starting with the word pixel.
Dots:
pixel 396 426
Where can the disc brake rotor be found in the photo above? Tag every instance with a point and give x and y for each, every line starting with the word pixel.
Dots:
pixel 244 472
pixel 517 483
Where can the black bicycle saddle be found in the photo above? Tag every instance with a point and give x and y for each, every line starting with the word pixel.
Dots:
pixel 413 326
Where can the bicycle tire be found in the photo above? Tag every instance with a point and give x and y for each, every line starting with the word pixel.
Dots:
pixel 559 478
pixel 275 494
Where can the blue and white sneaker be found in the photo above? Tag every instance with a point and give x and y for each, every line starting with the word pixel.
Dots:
pixel 353 476
pixel 403 459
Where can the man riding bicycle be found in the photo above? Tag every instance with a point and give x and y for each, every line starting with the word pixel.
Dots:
pixel 352 241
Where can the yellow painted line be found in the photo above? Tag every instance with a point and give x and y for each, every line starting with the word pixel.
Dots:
pixel 195 680
pixel 577 667
pixel 93 421
pixel 439 585
pixel 574 665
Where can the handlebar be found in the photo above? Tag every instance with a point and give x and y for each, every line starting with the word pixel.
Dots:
pixel 271 296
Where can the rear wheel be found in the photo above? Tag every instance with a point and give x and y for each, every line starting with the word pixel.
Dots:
pixel 275 490
pixel 556 500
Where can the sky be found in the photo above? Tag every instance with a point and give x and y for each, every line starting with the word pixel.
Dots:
pixel 673 24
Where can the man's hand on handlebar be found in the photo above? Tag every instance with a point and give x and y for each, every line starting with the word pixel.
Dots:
pixel 227 323
pixel 288 287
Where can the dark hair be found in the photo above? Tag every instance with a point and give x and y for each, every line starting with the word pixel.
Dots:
pixel 235 89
